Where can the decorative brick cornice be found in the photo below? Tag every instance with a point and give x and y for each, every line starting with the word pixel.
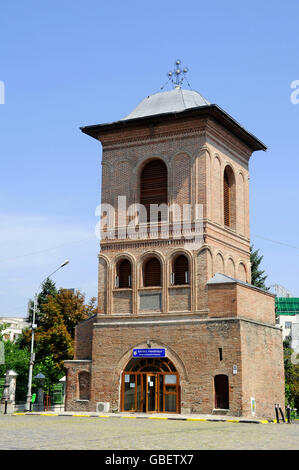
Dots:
pixel 162 320
pixel 157 138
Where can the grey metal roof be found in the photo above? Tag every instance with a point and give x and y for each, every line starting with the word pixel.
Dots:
pixel 176 100
pixel 171 103
pixel 220 278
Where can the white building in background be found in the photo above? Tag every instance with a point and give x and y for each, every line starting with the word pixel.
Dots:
pixel 295 335
pixel 14 327
pixel 287 314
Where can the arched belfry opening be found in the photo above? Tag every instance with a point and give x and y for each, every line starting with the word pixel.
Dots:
pixel 180 271
pixel 152 276
pixel 150 385
pixel 153 186
pixel 123 279
pixel 229 198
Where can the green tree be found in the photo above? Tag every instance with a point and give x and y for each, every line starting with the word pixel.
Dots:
pixel 48 288
pixel 291 377
pixel 59 315
pixel 257 275
pixel 17 359
pixel 52 374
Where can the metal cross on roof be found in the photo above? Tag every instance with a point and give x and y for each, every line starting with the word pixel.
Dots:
pixel 177 76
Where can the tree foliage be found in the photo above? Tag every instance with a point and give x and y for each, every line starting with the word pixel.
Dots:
pixel 52 374
pixel 48 288
pixel 291 377
pixel 258 277
pixel 17 359
pixel 59 313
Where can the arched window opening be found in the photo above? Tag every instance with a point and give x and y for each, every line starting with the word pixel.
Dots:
pixel 123 278
pixel 150 364
pixel 180 271
pixel 153 186
pixel 84 385
pixel 229 197
pixel 221 392
pixel 152 273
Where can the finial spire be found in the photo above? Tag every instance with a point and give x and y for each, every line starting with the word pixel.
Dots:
pixel 177 76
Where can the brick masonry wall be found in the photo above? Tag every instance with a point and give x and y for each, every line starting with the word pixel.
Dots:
pixel 262 369
pixel 122 301
pixel 256 305
pixel 222 300
pixel 232 299
pixel 192 347
pixel 179 299
pixel 83 339
pixel 73 369
pixel 196 153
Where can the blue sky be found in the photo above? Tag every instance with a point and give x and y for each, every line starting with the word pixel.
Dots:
pixel 66 64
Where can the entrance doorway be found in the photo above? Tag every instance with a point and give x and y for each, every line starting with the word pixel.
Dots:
pixel 221 392
pixel 150 385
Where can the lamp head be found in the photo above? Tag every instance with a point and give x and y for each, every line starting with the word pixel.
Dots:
pixel 64 263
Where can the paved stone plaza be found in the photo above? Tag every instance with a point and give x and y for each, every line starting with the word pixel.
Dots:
pixel 69 432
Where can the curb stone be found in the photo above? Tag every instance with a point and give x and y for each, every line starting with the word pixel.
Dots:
pixel 176 418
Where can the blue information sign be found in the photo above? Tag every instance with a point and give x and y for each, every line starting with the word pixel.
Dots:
pixel 149 352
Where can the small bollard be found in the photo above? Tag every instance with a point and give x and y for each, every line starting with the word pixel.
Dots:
pixel 276 412
pixel 282 415
pixel 5 407
pixel 289 414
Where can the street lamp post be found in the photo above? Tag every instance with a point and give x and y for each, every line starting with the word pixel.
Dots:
pixel 32 355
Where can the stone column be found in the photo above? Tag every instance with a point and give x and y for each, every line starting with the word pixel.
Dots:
pixel 12 386
pixel 9 392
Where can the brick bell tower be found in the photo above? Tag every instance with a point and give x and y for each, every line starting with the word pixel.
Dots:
pixel 159 292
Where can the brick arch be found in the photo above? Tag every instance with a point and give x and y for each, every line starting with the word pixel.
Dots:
pixel 141 163
pixel 123 255
pixel 170 353
pixel 149 254
pixel 230 269
pixel 140 265
pixel 83 385
pixel 209 264
pixel 242 272
pixel 103 283
pixel 209 182
pixel 229 197
pixel 153 185
pixel 181 178
pixel 180 252
pixel 219 266
pixel 216 172
pixel 241 203
pixel 210 260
